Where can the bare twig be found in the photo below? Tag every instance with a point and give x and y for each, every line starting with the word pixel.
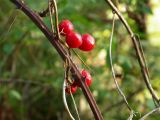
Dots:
pixel 143 56
pixel 44 12
pixel 151 112
pixel 139 53
pixel 63 54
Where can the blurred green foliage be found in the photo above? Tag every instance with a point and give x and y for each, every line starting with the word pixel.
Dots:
pixel 36 70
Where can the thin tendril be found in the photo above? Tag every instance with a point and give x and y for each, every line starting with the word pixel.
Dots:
pixel 66 65
pixel 113 72
pixel 56 18
pixel 75 106
pixel 79 57
pixel 64 93
pixel 50 15
pixel 65 101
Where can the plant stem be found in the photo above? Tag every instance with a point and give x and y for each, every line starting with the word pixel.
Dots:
pixel 139 52
pixel 63 54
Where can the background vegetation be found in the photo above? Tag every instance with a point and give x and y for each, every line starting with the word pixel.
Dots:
pixel 31 71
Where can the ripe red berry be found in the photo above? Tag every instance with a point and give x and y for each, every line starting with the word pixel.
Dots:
pixel 88 42
pixel 73 40
pixel 71 89
pixel 87 76
pixel 65 27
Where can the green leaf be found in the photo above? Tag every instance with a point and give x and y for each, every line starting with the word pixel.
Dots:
pixel 15 94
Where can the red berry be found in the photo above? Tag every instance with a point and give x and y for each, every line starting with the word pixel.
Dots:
pixel 87 76
pixel 65 27
pixel 88 42
pixel 75 83
pixel 71 89
pixel 73 39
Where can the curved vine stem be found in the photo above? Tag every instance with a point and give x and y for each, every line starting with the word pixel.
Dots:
pixel 151 112
pixel 75 106
pixel 112 68
pixel 65 101
pixel 139 53
pixel 66 73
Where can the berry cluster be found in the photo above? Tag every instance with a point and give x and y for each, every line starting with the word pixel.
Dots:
pixel 74 40
pixel 73 87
